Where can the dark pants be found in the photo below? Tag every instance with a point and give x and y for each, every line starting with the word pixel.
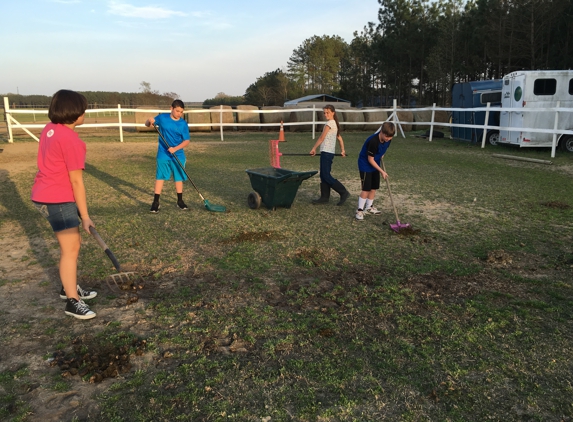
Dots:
pixel 326 160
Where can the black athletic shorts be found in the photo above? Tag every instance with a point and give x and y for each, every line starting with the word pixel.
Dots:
pixel 370 180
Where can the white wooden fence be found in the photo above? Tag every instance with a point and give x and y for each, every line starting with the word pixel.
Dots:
pixel 13 123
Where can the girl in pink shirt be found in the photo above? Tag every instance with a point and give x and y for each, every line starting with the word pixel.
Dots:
pixel 59 193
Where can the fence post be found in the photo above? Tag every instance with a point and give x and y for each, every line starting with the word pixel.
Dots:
pixel 313 121
pixel 221 120
pixel 432 122
pixel 485 126
pixel 8 122
pixel 554 143
pixel 120 123
pixel 396 120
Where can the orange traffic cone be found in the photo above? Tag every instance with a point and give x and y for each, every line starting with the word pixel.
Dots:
pixel 282 133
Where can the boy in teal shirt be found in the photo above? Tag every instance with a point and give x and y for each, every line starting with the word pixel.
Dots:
pixel 176 132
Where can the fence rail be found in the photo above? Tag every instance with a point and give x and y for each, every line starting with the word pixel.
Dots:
pixel 392 113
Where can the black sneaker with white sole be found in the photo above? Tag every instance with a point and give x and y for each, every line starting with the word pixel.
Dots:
pixel 78 309
pixel 154 207
pixel 182 205
pixel 83 294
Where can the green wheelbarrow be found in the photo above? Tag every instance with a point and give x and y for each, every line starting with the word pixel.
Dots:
pixel 275 187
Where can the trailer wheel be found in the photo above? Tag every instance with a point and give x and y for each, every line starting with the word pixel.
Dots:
pixel 493 138
pixel 254 200
pixel 566 143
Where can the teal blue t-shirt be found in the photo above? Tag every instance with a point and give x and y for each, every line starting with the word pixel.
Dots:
pixel 174 132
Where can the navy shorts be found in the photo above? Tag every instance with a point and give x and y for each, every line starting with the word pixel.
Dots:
pixel 167 168
pixel 60 216
pixel 370 180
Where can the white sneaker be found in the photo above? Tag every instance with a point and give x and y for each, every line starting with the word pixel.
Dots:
pixel 372 211
pixel 359 215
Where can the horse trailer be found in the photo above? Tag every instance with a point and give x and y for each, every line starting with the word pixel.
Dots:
pixel 536 89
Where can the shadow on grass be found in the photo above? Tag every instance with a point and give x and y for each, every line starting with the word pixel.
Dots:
pixel 21 212
pixel 120 185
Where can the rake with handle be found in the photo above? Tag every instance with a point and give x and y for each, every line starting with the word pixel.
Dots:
pixel 121 278
pixel 398 226
pixel 105 248
pixel 208 205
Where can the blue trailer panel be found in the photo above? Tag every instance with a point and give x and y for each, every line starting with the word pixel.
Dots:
pixel 471 95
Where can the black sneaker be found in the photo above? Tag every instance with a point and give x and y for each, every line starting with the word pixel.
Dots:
pixel 83 294
pixel 182 205
pixel 154 207
pixel 78 309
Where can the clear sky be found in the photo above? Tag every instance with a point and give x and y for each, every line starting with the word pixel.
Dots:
pixel 194 48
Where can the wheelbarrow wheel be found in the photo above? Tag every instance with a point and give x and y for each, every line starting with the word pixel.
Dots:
pixel 254 200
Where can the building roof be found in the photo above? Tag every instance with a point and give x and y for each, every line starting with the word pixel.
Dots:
pixel 316 98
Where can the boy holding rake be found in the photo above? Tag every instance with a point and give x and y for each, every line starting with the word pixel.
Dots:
pixel 176 132
pixel 369 158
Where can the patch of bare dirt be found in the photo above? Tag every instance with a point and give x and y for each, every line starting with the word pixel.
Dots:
pixel 17 158
pixel 556 204
pixel 18 260
pixel 96 359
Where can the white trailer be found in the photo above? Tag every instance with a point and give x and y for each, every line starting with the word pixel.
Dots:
pixel 536 89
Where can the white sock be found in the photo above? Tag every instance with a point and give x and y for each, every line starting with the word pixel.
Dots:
pixel 361 202
pixel 368 203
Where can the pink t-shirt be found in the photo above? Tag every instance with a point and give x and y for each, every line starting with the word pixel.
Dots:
pixel 60 151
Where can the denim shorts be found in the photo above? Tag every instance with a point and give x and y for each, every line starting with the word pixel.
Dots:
pixel 166 168
pixel 60 216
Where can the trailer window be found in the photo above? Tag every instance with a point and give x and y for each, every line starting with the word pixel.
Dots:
pixel 545 86
pixel 491 97
pixel 570 86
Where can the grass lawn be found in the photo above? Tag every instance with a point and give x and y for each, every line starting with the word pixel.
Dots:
pixel 305 314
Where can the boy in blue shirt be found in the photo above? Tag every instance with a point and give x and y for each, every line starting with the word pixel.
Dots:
pixel 369 166
pixel 176 132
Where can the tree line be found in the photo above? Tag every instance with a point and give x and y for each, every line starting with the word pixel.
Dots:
pixel 99 99
pixel 419 48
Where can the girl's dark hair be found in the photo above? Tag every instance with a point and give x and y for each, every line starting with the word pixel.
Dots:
pixel 67 106
pixel 177 103
pixel 331 108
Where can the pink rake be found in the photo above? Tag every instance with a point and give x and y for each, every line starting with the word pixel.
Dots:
pixel 398 226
